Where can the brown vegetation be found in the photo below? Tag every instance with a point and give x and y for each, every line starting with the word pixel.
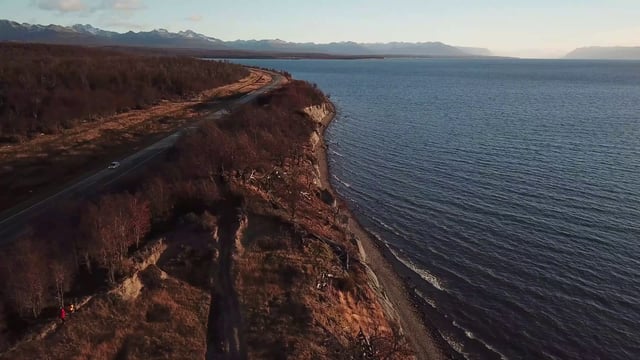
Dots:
pixel 45 88
pixel 27 287
pixel 112 226
pixel 167 322
pixel 42 164
pixel 39 272
pixel 295 274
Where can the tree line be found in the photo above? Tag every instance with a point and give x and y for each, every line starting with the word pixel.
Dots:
pixel 47 88
pixel 39 270
pixel 77 246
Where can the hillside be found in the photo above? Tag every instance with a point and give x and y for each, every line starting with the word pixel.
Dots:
pixel 161 38
pixel 609 53
pixel 230 247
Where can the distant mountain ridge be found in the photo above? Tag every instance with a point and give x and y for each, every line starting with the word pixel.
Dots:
pixel 89 35
pixel 606 53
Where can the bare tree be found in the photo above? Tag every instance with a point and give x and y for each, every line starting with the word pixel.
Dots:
pixel 390 346
pixel 25 274
pixel 378 346
pixel 107 226
pixel 87 243
pixel 158 193
pixel 50 86
pixel 61 273
pixel 140 218
pixel 295 187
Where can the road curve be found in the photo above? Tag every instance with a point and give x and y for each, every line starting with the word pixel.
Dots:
pixel 14 222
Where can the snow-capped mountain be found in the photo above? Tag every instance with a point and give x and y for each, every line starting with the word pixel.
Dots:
pixel 188 39
pixel 89 35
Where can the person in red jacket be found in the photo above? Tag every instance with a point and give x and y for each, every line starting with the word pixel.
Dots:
pixel 63 314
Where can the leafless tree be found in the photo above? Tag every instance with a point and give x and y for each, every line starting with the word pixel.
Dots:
pixel 390 346
pixel 25 273
pixel 50 86
pixel 158 194
pixel 61 272
pixel 108 233
pixel 140 218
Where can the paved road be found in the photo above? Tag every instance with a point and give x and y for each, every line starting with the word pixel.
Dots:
pixel 14 222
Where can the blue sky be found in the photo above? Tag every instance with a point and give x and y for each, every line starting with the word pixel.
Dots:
pixel 531 28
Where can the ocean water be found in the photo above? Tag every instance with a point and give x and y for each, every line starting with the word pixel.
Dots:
pixel 511 187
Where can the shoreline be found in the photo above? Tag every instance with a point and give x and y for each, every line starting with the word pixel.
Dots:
pixel 389 277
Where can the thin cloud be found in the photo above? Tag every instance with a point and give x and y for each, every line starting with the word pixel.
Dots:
pixel 121 5
pixel 90 6
pixel 194 18
pixel 63 6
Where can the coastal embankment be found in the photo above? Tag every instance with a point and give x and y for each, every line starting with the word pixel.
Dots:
pixel 262 259
pixel 387 274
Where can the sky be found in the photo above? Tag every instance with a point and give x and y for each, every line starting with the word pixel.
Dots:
pixel 525 28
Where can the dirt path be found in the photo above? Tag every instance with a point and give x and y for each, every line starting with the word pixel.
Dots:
pixel 225 338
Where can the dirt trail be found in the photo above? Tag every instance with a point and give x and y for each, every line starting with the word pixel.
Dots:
pixel 225 338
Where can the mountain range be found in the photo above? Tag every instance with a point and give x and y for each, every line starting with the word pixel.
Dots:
pixel 608 53
pixel 89 35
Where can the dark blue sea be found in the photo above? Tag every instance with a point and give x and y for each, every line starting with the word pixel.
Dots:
pixel 512 187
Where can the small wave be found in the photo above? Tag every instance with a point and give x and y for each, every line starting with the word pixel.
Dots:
pixel 336 153
pixel 387 227
pixel 472 336
pixel 433 280
pixel 341 181
pixel 454 344
pixel 424 274
pixel 379 238
pixel 427 299
pixel 502 356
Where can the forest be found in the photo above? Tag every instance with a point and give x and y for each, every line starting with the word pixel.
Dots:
pixel 49 88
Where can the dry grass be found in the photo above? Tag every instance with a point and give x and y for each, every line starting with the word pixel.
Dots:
pixel 168 320
pixel 286 314
pixel 298 298
pixel 89 134
pixel 47 162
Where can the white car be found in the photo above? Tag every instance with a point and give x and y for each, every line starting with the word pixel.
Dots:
pixel 114 165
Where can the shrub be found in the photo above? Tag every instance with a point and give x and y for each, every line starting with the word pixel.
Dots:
pixel 346 284
pixel 159 313
pixel 289 274
pixel 271 243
